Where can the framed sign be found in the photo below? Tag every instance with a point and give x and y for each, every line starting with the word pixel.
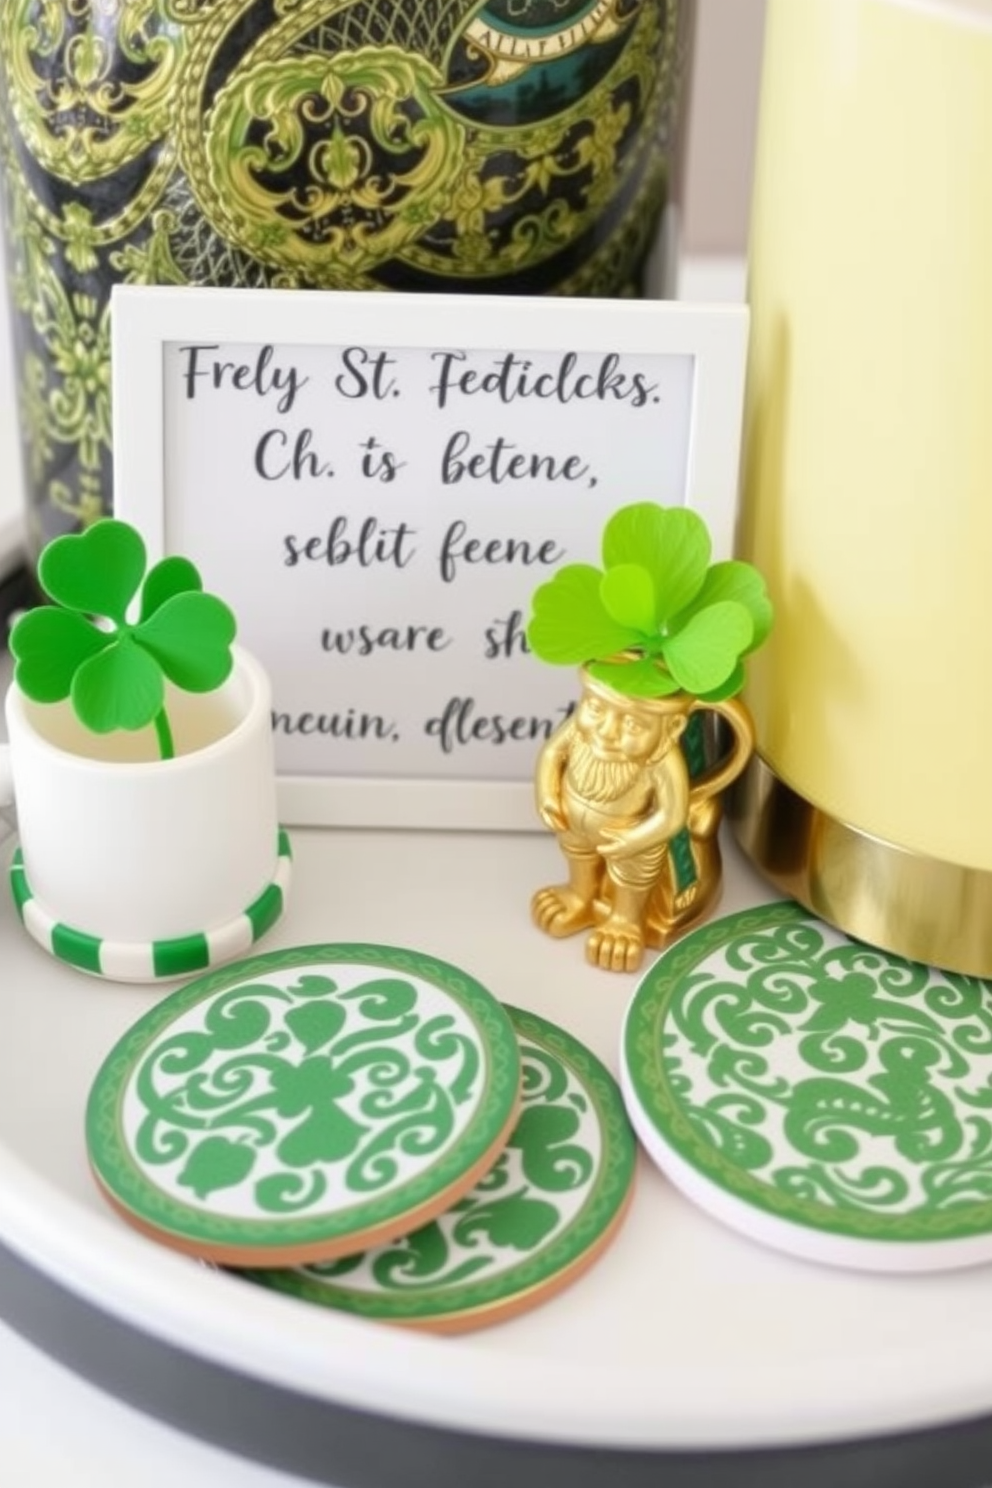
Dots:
pixel 376 484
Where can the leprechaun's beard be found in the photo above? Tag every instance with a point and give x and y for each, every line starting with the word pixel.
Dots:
pixel 600 780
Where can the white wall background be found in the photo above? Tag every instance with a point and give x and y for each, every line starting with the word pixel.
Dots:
pixel 722 118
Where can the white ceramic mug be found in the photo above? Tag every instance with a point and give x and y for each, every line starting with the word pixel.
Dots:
pixel 139 868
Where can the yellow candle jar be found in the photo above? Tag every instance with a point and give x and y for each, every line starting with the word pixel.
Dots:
pixel 867 491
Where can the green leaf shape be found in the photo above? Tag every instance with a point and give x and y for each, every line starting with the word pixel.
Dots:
pixel 516 1222
pixel 190 637
pixel 168 577
pixel 308 984
pixel 550 1159
pixel 315 1024
pixel 324 1136
pixel 641 678
pixel 569 623
pixel 742 583
pixel 313 1089
pixel 670 542
pixel 216 1163
pixel 659 620
pixel 48 645
pixel 96 572
pixel 853 998
pixel 704 653
pixel 114 674
pixel 628 596
pixel 120 687
pixel 310 1085
pixel 728 689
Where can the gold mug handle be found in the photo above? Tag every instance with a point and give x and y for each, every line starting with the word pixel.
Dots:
pixel 727 770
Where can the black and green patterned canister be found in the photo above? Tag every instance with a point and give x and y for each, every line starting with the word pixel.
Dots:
pixel 507 146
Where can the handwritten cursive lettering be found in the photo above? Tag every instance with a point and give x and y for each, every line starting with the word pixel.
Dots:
pixel 511 377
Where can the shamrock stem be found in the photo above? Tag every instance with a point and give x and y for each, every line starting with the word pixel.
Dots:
pixel 166 747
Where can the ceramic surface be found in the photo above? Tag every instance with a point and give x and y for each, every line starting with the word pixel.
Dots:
pixel 130 848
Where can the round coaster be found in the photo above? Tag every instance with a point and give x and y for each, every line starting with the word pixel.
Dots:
pixel 154 960
pixel 304 1104
pixel 829 1099
pixel 531 1226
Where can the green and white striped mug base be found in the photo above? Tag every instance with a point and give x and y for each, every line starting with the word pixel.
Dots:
pixel 157 960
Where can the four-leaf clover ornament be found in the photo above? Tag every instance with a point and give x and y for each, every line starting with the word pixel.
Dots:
pixel 658 618
pixel 110 664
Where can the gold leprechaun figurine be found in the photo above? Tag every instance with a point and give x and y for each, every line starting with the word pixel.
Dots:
pixel 631 781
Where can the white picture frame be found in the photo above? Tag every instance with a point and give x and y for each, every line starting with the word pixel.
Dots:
pixel 187 475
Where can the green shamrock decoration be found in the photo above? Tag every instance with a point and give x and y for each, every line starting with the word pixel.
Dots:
pixel 658 618
pixel 114 671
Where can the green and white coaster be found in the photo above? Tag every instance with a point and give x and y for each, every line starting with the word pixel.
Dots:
pixel 532 1225
pixel 304 1104
pixel 827 1098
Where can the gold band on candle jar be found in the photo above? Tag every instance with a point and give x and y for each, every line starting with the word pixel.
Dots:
pixel 916 906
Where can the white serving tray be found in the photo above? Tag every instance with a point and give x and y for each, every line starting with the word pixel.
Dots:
pixel 683 1336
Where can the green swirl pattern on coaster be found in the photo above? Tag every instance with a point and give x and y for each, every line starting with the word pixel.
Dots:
pixel 818 1094
pixel 304 1104
pixel 531 1225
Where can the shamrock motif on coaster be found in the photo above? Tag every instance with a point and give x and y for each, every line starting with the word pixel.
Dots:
pixel 304 1104
pixel 532 1224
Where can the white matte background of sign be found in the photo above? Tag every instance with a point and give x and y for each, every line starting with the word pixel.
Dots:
pixel 377 483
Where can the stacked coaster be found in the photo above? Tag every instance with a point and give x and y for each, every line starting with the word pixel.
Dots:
pixel 826 1098
pixel 373 1116
pixel 529 1227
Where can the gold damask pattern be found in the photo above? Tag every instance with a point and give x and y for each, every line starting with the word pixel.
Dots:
pixel 357 158
pixel 518 145
pixel 90 82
